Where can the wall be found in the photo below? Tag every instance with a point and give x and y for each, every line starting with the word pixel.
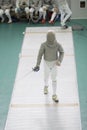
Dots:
pixel 77 12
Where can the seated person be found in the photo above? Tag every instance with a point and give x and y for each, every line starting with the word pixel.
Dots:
pixel 5 9
pixel 50 6
pixel 22 6
pixel 35 6
pixel 1 14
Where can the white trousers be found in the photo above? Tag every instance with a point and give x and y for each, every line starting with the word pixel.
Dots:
pixel 17 10
pixel 65 13
pixel 1 13
pixel 32 10
pixel 7 13
pixel 50 69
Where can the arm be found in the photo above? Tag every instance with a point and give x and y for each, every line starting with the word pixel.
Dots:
pixel 40 54
pixel 61 55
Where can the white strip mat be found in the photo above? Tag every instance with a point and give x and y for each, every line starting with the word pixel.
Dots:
pixel 30 109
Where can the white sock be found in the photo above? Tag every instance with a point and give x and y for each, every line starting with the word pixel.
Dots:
pixel 53 16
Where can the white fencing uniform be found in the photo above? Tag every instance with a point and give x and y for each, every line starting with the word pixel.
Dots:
pixel 1 15
pixel 50 69
pixel 53 54
pixel 64 11
pixel 5 9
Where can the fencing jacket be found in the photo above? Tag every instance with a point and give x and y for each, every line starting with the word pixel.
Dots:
pixel 51 50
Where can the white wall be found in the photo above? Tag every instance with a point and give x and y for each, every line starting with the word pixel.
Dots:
pixel 77 12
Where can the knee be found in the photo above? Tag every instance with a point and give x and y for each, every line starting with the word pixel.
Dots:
pixel 31 10
pixel 44 8
pixel 1 12
pixel 27 10
pixel 17 10
pixel 54 81
pixel 41 10
pixel 70 13
pixel 7 11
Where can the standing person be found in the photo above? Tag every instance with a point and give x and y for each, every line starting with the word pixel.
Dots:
pixel 53 55
pixel 48 5
pixel 6 7
pixel 64 11
pixel 22 6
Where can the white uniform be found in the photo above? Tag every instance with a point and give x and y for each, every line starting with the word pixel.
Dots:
pixel 50 69
pixel 5 9
pixel 64 11
pixel 53 54
pixel 19 4
pixel 1 15
pixel 1 12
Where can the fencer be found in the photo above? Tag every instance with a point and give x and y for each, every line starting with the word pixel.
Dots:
pixel 64 11
pixel 53 54
pixel 6 7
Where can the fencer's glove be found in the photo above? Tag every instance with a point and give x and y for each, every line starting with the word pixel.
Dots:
pixel 36 68
pixel 58 63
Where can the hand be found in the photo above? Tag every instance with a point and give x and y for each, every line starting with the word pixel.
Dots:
pixel 36 68
pixel 58 63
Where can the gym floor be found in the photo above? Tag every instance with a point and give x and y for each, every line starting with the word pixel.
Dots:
pixel 11 39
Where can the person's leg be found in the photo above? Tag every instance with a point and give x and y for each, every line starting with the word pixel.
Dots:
pixel 54 83
pixel 68 14
pixel 27 12
pixel 62 17
pixel 17 12
pixel 46 77
pixel 44 14
pixel 1 15
pixel 7 13
pixel 41 12
pixel 54 13
pixel 31 12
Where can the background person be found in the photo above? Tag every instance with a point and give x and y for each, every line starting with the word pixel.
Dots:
pixel 22 6
pixel 64 11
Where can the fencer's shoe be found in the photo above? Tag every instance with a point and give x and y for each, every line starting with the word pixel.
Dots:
pixel 10 21
pixel 45 90
pixel 43 21
pixel 64 27
pixel 51 22
pixel 55 98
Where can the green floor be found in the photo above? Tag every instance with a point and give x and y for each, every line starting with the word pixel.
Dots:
pixel 11 38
